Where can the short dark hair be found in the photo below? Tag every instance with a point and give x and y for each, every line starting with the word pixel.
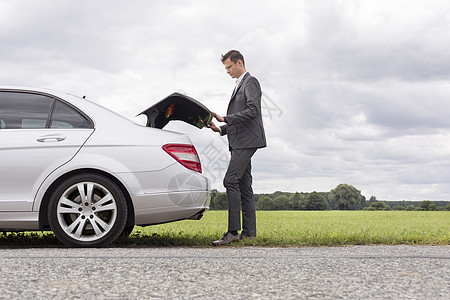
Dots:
pixel 234 56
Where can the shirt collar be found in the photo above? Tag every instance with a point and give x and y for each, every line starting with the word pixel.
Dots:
pixel 240 78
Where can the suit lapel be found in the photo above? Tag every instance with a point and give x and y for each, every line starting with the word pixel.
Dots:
pixel 239 86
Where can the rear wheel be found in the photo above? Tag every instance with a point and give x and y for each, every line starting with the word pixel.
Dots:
pixel 87 210
pixel 127 231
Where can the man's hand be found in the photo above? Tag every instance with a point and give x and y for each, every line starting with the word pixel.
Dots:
pixel 218 118
pixel 214 127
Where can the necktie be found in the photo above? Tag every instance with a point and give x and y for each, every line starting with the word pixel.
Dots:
pixel 235 87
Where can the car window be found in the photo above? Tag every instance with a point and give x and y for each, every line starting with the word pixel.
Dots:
pixel 65 116
pixel 21 110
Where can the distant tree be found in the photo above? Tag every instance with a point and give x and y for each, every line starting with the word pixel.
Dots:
pixel 398 207
pixel 213 193
pixel 277 193
pixel 427 206
pixel 316 201
pixel 219 201
pixel 281 202
pixel 265 203
pixel 410 207
pixel 447 207
pixel 363 203
pixel 331 201
pixel 442 204
pixel 298 202
pixel 379 205
pixel 346 196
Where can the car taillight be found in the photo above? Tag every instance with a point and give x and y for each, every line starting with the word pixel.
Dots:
pixel 185 155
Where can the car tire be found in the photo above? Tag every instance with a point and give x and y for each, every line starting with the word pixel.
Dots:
pixel 87 210
pixel 127 231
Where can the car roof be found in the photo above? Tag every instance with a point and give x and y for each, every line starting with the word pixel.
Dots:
pixel 94 110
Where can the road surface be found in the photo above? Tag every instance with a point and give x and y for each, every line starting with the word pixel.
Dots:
pixel 357 272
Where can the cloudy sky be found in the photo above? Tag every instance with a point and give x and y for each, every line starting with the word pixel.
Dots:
pixel 355 92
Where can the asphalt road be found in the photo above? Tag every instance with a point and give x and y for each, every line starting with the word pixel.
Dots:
pixel 359 272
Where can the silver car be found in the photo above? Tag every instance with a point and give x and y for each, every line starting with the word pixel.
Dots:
pixel 88 174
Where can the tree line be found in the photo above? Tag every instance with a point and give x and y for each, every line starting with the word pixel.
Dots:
pixel 343 197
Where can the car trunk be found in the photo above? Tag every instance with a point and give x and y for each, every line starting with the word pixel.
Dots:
pixel 177 107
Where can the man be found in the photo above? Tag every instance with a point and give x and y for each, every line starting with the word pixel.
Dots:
pixel 245 132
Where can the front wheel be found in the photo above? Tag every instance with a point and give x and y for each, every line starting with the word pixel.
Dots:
pixel 87 210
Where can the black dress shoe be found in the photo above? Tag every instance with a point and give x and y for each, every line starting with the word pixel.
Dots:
pixel 226 239
pixel 245 236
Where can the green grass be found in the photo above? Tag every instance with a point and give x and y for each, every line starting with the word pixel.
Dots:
pixel 287 229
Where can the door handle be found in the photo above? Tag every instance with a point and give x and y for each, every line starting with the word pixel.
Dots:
pixel 51 138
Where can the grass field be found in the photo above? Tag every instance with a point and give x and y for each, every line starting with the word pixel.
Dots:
pixel 286 229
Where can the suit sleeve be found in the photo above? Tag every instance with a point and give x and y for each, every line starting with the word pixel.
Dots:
pixel 253 93
pixel 223 129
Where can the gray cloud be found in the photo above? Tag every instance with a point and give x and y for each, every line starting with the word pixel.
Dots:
pixel 358 89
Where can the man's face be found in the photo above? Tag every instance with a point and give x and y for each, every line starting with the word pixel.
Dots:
pixel 235 70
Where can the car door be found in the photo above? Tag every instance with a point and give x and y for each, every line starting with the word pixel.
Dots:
pixel 177 107
pixel 38 134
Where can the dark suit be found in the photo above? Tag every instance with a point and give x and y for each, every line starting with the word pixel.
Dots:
pixel 245 133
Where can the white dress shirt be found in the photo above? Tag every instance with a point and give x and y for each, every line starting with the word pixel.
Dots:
pixel 238 81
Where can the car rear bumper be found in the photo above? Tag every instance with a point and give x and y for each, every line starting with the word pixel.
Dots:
pixel 174 193
pixel 160 208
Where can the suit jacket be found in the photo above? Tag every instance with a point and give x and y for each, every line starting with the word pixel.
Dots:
pixel 244 127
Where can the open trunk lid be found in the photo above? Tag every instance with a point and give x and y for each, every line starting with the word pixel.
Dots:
pixel 177 107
